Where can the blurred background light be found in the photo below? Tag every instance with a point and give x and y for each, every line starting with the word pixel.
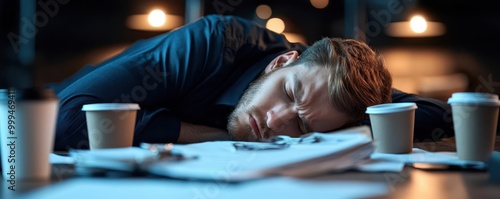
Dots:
pixel 294 37
pixel 276 25
pixel 416 27
pixel 319 4
pixel 157 18
pixel 418 24
pixel 264 11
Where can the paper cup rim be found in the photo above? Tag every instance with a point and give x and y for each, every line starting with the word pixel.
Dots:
pixel 487 99
pixel 391 108
pixel 110 106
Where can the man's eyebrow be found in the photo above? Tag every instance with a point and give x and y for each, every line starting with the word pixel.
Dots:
pixel 297 87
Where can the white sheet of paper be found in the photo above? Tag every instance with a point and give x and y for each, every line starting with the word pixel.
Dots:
pixel 221 161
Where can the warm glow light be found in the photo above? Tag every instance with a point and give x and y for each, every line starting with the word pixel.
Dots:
pixel 264 11
pixel 157 18
pixel 141 22
pixel 405 29
pixel 418 24
pixel 276 25
pixel 294 37
pixel 319 4
pixel 428 71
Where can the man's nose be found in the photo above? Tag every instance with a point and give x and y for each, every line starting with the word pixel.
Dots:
pixel 279 117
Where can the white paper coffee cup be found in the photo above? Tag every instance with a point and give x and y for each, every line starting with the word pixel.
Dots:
pixel 392 127
pixel 475 118
pixel 110 125
pixel 27 122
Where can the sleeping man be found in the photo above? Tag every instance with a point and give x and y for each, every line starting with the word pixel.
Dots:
pixel 227 78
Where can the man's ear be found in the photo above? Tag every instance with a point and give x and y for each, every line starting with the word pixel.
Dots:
pixel 282 60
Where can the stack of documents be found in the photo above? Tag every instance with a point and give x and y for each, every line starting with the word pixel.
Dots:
pixel 230 161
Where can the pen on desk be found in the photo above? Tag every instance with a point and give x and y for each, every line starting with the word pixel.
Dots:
pixel 166 151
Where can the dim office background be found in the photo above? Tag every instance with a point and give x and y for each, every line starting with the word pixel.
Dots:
pixel 432 48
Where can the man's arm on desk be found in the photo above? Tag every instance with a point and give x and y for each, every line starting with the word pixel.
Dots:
pixel 191 133
pixel 433 119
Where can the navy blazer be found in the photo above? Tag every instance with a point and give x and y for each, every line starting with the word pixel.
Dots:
pixel 195 74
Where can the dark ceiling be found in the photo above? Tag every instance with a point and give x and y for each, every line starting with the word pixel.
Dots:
pixel 80 25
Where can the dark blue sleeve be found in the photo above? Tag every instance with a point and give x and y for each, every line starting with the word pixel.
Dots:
pixel 156 73
pixel 433 119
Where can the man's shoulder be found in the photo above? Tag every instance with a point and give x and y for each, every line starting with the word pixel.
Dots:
pixel 227 19
pixel 218 17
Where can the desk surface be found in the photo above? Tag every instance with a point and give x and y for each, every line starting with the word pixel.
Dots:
pixel 410 183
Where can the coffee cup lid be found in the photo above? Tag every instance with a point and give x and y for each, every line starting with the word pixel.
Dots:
pixel 487 99
pixel 391 108
pixel 110 106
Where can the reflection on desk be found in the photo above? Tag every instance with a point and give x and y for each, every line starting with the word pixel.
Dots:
pixel 410 183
